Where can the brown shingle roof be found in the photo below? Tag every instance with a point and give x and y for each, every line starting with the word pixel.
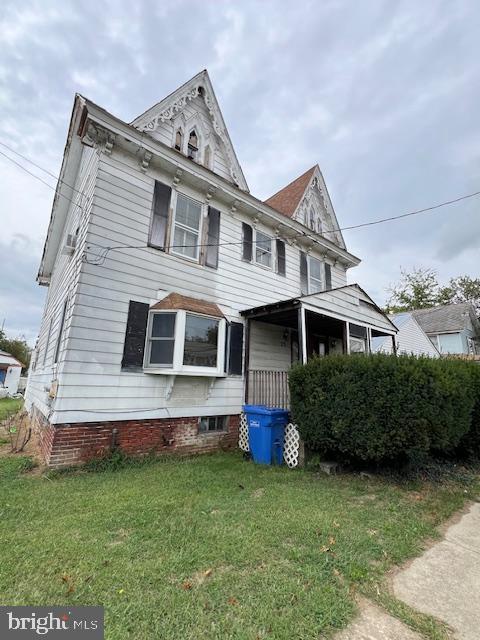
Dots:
pixel 287 199
pixel 177 301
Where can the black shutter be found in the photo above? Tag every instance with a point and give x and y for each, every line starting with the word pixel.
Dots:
pixel 213 238
pixel 134 345
pixel 328 276
pixel 281 262
pixel 303 273
pixel 235 355
pixel 247 238
pixel 161 205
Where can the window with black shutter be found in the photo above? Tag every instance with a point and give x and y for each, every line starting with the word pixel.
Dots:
pixel 213 238
pixel 161 204
pixel 328 276
pixel 303 273
pixel 247 239
pixel 281 261
pixel 134 345
pixel 235 349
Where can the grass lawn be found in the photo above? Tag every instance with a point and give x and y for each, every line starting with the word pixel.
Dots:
pixel 9 406
pixel 211 547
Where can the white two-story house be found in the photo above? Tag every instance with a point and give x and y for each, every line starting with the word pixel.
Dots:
pixel 174 295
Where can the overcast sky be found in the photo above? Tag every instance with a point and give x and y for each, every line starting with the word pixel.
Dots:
pixel 383 95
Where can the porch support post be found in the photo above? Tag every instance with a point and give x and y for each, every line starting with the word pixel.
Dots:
pixel 247 358
pixel 369 340
pixel 302 334
pixel 347 335
pixel 394 345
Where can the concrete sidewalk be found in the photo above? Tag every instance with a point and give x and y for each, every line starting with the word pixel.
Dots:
pixel 444 582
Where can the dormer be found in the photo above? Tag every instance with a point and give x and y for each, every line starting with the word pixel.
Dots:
pixel 190 121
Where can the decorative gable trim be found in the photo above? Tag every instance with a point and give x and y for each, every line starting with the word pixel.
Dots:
pixel 170 107
pixel 318 189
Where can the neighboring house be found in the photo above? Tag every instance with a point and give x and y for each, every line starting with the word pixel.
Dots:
pixel 411 339
pixel 10 370
pixel 452 328
pixel 173 293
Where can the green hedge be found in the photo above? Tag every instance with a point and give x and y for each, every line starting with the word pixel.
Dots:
pixel 385 408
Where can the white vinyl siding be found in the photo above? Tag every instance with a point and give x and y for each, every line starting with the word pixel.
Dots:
pixel 92 385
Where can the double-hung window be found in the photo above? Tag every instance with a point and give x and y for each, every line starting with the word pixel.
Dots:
pixel 186 227
pixel 316 280
pixel 181 342
pixel 263 249
pixel 162 340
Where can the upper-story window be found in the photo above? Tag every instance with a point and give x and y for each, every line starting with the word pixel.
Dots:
pixel 186 227
pixel 315 275
pixel 263 249
pixel 258 247
pixel 192 149
pixel 316 281
pixel 179 223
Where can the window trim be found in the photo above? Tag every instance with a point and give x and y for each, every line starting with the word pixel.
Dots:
pixel 270 253
pixel 172 250
pixel 177 367
pixel 322 275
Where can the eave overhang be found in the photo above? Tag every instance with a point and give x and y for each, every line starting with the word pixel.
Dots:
pixel 94 126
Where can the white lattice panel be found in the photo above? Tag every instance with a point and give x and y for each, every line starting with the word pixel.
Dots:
pixel 243 434
pixel 291 448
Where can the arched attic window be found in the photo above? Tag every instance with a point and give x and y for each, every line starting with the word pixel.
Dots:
pixel 207 157
pixel 312 218
pixel 192 150
pixel 178 140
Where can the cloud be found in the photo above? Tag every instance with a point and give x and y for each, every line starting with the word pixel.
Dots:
pixel 382 95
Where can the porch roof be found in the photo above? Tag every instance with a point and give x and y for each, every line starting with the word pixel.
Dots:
pixel 349 303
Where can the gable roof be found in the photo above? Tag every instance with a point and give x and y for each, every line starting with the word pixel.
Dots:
pixel 173 104
pixel 287 199
pixel 7 358
pixel 448 318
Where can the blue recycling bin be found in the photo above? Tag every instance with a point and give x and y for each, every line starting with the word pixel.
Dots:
pixel 266 432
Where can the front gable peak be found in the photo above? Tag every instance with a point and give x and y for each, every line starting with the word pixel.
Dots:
pixel 190 120
pixel 307 200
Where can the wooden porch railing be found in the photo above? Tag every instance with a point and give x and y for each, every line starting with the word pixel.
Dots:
pixel 269 388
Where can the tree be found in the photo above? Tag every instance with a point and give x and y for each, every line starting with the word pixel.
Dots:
pixel 17 347
pixel 461 289
pixel 418 289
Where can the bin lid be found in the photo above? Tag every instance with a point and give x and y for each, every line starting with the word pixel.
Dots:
pixel 263 410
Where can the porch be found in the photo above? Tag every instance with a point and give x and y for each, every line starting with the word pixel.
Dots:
pixel 278 335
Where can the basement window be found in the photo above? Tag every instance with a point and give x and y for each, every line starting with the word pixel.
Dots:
pixel 212 423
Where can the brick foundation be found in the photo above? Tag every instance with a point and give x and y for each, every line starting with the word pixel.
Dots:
pixel 67 444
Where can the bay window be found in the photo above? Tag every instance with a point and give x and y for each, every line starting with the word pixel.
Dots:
pixel 181 342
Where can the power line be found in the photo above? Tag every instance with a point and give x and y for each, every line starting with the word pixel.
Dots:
pixel 20 166
pixel 410 213
pixel 40 167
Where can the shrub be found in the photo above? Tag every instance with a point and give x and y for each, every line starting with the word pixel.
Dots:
pixel 382 408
